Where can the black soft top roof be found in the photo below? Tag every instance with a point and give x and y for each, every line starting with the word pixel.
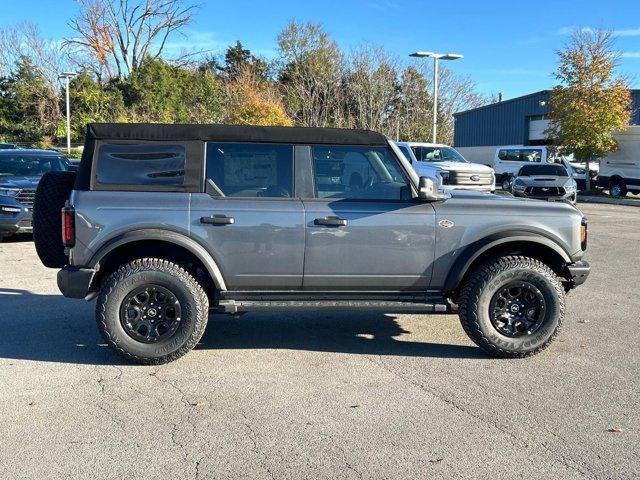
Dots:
pixel 233 133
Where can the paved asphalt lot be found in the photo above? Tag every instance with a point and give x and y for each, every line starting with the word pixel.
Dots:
pixel 327 395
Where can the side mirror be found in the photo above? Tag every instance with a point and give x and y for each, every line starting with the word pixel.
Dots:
pixel 428 190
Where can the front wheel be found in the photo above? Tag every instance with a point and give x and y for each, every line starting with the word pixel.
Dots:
pixel 512 306
pixel 152 311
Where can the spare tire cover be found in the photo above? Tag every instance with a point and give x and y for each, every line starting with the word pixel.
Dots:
pixel 52 193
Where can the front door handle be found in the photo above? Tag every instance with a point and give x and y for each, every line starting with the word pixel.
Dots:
pixel 218 220
pixel 331 222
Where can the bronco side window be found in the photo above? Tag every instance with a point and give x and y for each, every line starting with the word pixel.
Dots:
pixel 251 169
pixel 145 164
pixel 360 173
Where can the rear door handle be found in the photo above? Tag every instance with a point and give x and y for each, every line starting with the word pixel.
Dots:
pixel 331 222
pixel 218 220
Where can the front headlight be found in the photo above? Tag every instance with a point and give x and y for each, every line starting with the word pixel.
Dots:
pixel 518 185
pixel 579 171
pixel 570 187
pixel 9 192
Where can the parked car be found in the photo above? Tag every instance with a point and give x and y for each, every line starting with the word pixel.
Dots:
pixel 545 182
pixel 620 170
pixel 509 159
pixel 163 223
pixel 436 160
pixel 20 172
pixel 7 146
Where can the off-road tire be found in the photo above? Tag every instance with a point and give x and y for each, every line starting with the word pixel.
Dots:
pixel 192 297
pixel 52 193
pixel 485 281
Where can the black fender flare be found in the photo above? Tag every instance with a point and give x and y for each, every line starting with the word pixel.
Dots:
pixel 175 238
pixel 477 248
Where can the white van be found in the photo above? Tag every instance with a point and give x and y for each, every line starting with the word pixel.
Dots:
pixel 620 170
pixel 509 159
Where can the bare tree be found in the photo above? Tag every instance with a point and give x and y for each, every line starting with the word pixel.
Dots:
pixel 372 90
pixel 23 40
pixel 115 36
pixel 310 75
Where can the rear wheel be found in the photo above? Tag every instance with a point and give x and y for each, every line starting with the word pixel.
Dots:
pixel 152 311
pixel 617 188
pixel 512 306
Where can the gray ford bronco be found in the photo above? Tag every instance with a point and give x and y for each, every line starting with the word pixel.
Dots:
pixel 166 223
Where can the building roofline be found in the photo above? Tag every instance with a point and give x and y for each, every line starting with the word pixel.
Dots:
pixel 489 105
pixel 515 99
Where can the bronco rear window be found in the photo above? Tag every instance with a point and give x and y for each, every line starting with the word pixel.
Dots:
pixel 141 164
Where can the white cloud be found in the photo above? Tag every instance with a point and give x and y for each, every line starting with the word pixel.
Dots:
pixel 629 32
pixel 191 40
pixel 617 32
pixel 630 54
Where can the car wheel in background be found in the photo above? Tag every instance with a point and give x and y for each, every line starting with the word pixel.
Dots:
pixel 617 188
pixel 506 183
pixel 512 306
pixel 52 193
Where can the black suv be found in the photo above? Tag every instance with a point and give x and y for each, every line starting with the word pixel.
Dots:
pixel 20 173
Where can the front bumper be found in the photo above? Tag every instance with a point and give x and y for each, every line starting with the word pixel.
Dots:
pixel 14 218
pixel 75 282
pixel 579 271
pixel 567 197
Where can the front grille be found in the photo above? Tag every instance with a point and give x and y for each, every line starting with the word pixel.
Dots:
pixel 545 191
pixel 470 178
pixel 27 196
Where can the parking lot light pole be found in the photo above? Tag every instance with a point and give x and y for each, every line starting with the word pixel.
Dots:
pixel 436 58
pixel 67 76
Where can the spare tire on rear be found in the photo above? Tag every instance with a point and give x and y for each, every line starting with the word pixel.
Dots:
pixel 52 193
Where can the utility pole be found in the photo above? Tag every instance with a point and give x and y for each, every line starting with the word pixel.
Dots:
pixel 436 58
pixel 67 76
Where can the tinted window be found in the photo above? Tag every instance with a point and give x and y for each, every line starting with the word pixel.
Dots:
pixel 552 170
pixel 141 164
pixel 251 170
pixel 405 152
pixel 437 154
pixel 16 165
pixel 358 173
pixel 520 155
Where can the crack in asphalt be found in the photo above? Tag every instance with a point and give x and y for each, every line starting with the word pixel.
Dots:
pixel 560 458
pixel 256 449
pixel 344 454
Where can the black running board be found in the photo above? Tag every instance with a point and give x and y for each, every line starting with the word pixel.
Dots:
pixel 260 302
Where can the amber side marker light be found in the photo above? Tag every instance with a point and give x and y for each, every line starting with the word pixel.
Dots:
pixel 583 234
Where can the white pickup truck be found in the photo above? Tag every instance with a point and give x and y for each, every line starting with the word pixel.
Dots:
pixel 437 160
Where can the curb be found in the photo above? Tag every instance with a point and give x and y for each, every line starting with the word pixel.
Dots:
pixel 608 200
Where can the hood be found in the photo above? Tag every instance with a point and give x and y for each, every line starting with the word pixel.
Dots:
pixel 19 182
pixel 472 202
pixel 460 166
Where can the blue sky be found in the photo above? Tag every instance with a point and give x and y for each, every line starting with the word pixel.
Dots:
pixel 508 45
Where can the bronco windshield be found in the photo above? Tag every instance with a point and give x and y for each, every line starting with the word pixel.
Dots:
pixel 437 154
pixel 29 165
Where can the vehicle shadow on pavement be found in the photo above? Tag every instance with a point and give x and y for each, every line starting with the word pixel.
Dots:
pixel 52 328
pixel 365 333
